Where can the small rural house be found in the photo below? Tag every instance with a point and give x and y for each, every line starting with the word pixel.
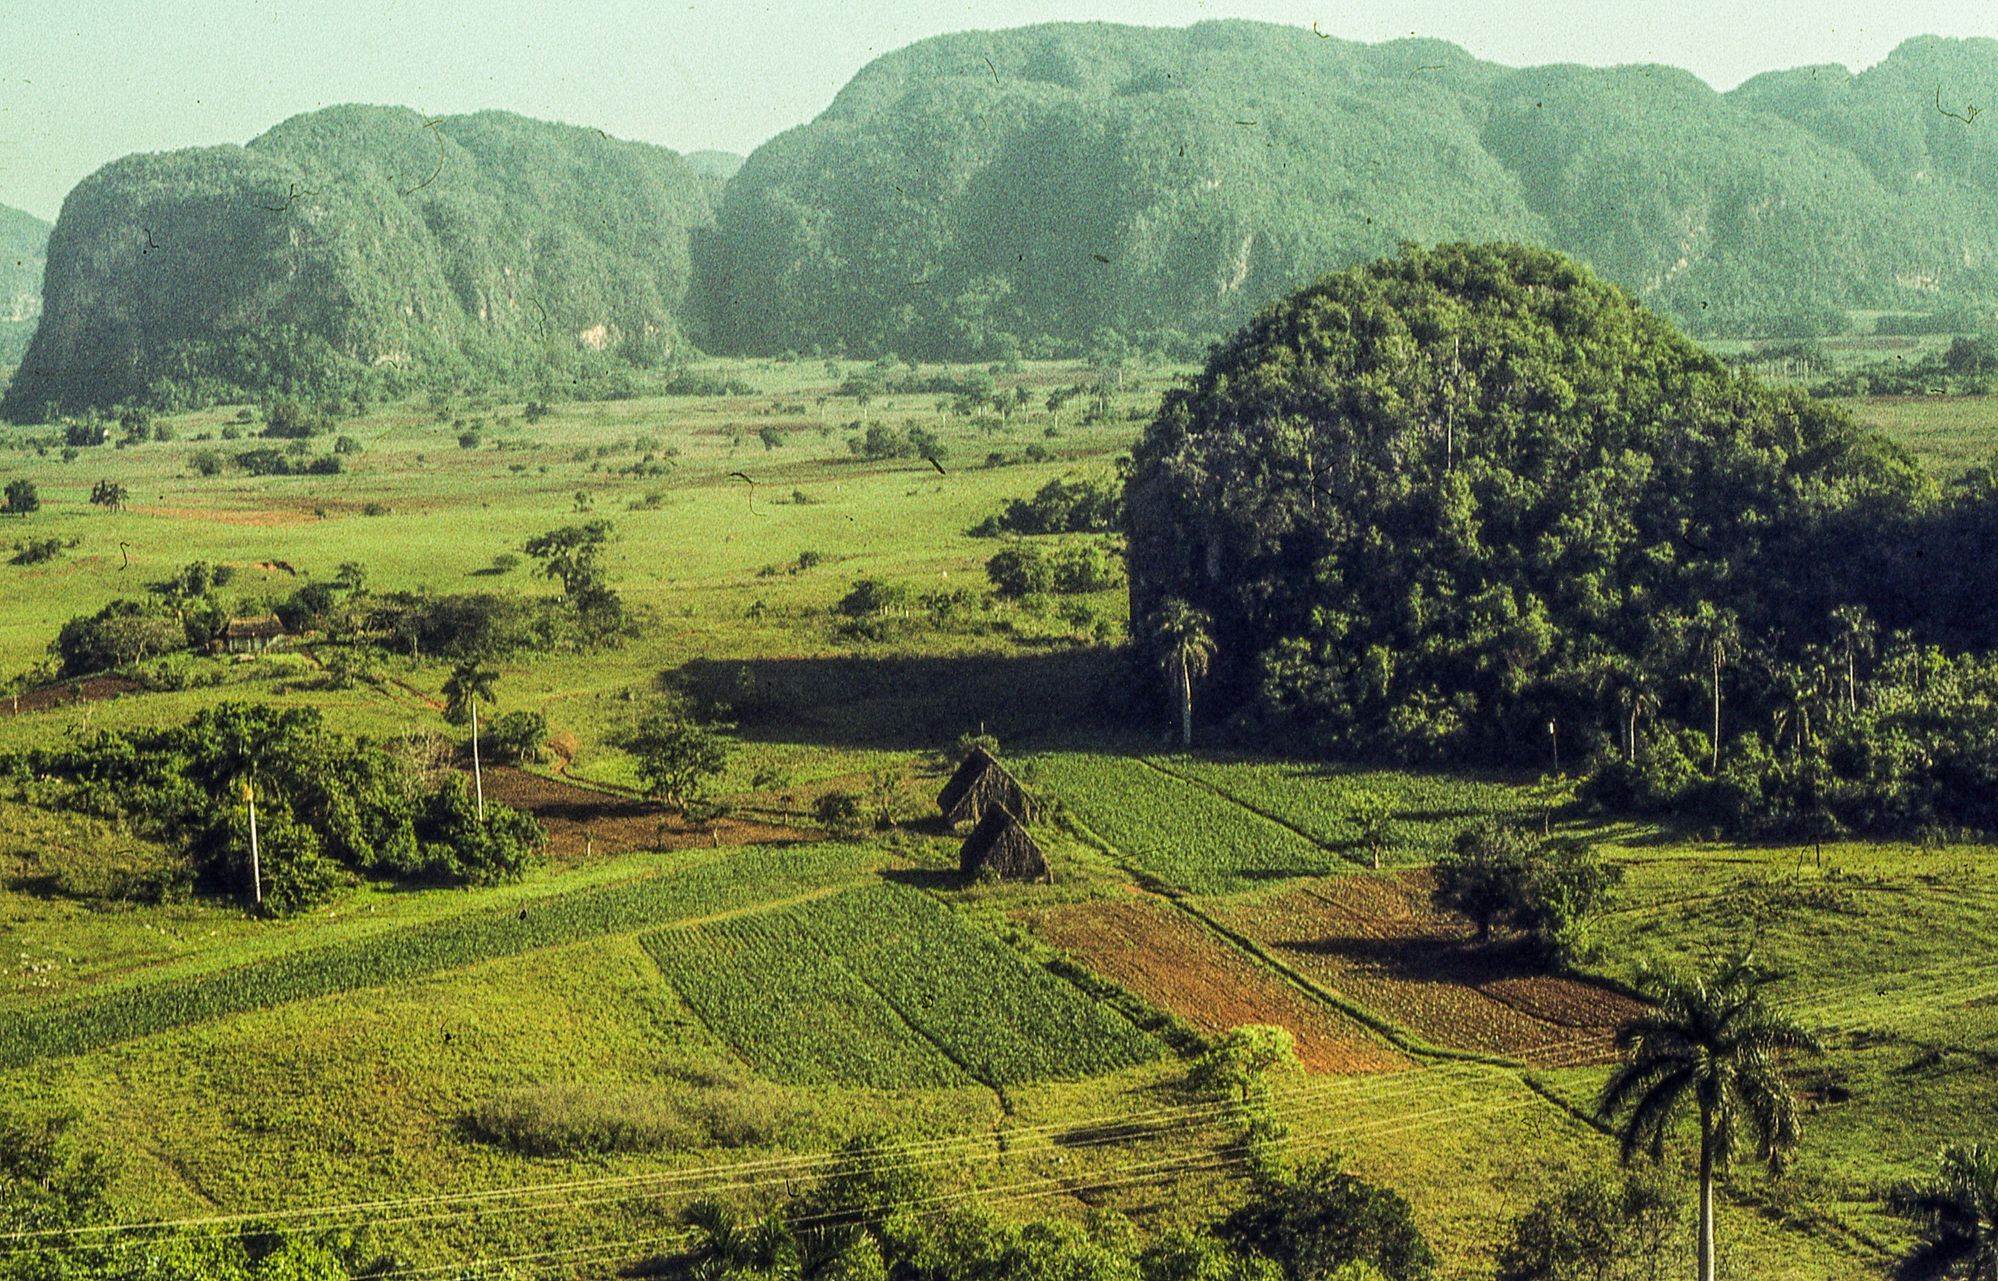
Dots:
pixel 1002 846
pixel 980 784
pixel 251 635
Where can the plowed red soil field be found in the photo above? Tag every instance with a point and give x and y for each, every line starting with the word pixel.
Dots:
pixel 581 821
pixel 1378 940
pixel 1178 966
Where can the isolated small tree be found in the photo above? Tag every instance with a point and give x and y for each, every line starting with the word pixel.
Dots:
pixel 1481 877
pixel 20 498
pixel 1236 1069
pixel 108 493
pixel 1373 819
pixel 572 555
pixel 679 760
pixel 1544 888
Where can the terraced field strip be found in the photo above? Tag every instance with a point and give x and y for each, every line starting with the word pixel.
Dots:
pixel 931 979
pixel 1177 832
pixel 78 1024
pixel 1171 960
pixel 1428 809
pixel 1378 941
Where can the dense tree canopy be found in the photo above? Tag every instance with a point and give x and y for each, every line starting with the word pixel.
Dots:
pixel 1435 503
pixel 325 802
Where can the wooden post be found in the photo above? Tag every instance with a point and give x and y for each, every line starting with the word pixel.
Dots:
pixel 256 865
pixel 478 781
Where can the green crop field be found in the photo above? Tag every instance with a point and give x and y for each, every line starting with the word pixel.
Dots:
pixel 883 987
pixel 1426 810
pixel 1950 434
pixel 1183 834
pixel 716 1003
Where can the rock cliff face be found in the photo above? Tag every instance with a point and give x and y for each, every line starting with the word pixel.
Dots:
pixel 362 247
pixel 24 241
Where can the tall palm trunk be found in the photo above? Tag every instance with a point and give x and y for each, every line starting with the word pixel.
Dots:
pixel 478 780
pixel 256 855
pixel 1185 703
pixel 1717 679
pixel 1706 1195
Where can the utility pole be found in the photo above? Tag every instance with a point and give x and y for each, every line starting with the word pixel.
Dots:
pixel 256 865
pixel 478 781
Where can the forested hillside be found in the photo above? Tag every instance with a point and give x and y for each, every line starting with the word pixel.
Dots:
pixel 1473 503
pixel 1047 190
pixel 1033 186
pixel 23 240
pixel 359 249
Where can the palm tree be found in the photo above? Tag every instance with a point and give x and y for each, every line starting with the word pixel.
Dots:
pixel 1711 1042
pixel 470 684
pixel 1183 637
pixel 1713 635
pixel 1957 1207
pixel 1855 637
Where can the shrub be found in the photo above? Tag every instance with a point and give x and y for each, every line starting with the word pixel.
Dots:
pixel 517 737
pixel 457 847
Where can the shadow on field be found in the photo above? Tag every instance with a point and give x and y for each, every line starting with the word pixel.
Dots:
pixel 935 879
pixel 1428 958
pixel 905 702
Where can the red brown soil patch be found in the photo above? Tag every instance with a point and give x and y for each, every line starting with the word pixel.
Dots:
pixel 581 821
pixel 1178 966
pixel 1378 940
pixel 90 690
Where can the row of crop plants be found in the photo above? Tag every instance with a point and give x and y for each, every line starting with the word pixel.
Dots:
pixel 823 990
pixel 78 1024
pixel 1176 831
pixel 791 1007
pixel 1425 810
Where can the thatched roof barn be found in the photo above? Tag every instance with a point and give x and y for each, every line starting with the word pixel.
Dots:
pixel 980 784
pixel 1001 844
pixel 251 635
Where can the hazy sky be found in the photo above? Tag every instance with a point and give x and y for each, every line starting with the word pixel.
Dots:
pixel 85 81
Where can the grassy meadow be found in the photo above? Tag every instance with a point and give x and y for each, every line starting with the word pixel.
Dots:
pixel 554 1067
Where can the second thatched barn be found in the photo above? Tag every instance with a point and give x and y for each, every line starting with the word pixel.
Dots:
pixel 980 785
pixel 1002 846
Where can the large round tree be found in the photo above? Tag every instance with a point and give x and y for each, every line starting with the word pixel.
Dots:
pixel 1434 503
